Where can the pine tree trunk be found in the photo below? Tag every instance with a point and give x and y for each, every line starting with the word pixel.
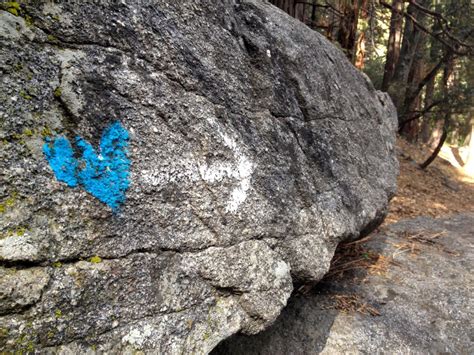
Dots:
pixel 394 41
pixel 359 52
pixel 412 129
pixel 399 87
pixel 314 15
pixel 299 11
pixel 346 35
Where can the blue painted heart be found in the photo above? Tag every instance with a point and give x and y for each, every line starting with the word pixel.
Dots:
pixel 104 173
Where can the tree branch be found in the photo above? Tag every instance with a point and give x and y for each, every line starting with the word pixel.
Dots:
pixel 422 112
pixel 437 36
pixel 427 78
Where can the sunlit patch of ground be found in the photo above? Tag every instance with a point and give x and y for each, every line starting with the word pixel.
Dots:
pixel 442 189
pixel 457 157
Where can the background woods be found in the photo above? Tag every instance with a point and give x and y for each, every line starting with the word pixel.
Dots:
pixel 419 51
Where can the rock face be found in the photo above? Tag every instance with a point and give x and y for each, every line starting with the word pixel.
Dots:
pixel 423 300
pixel 169 168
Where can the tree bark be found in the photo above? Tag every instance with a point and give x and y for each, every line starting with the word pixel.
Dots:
pixel 346 35
pixel 359 52
pixel 314 15
pixel 286 5
pixel 299 11
pixel 394 41
pixel 412 99
pixel 412 36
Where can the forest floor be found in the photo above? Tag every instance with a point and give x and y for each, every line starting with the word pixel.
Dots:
pixel 440 190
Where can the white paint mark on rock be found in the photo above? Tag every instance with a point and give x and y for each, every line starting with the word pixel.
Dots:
pixel 242 170
pixel 239 194
pixel 192 169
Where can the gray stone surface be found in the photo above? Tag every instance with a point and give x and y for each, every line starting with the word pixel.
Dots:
pixel 425 299
pixel 255 148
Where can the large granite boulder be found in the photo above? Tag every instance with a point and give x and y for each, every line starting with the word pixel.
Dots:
pixel 169 168
pixel 415 297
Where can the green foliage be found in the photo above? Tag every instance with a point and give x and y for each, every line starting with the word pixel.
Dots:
pixel 374 67
pixel 452 24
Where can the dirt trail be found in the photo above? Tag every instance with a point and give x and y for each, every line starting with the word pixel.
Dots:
pixel 440 190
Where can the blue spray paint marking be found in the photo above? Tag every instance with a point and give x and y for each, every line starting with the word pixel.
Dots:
pixel 104 174
pixel 62 161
